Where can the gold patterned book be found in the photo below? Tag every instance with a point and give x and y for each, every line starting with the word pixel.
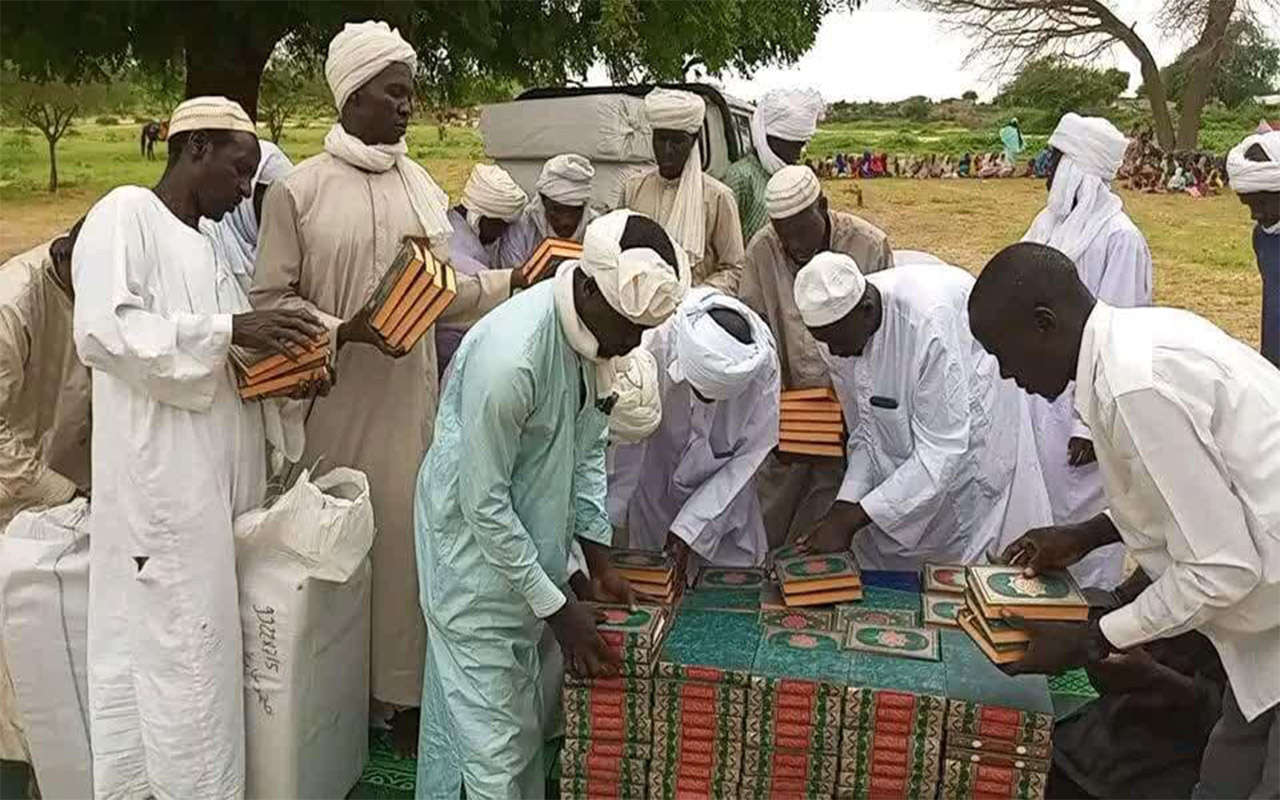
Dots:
pixel 1051 596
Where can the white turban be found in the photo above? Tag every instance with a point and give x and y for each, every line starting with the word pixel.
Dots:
pixel 1248 176
pixel 827 288
pixel 670 109
pixel 636 282
pixel 1081 203
pixel 490 192
pixel 638 410
pixel 710 358
pixel 791 190
pixel 210 114
pixel 361 51
pixel 790 114
pixel 566 179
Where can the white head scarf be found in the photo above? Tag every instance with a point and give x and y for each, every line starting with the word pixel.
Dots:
pixel 790 114
pixel 828 288
pixel 1248 176
pixel 638 410
pixel 1081 202
pixel 356 55
pixel 490 192
pixel 707 356
pixel 791 190
pixel 210 113
pixel 636 282
pixel 235 237
pixel 671 109
pixel 566 179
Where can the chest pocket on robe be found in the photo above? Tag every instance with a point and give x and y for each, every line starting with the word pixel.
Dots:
pixel 892 430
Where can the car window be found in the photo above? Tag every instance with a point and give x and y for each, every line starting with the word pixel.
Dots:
pixel 742 126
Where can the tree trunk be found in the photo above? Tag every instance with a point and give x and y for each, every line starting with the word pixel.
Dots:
pixel 225 55
pixel 53 164
pixel 1202 67
pixel 1156 94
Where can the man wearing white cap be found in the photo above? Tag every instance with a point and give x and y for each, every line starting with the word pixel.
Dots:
pixel 698 211
pixel 516 474
pixel 559 209
pixel 796 493
pixel 1086 220
pixel 330 230
pixel 942 466
pixel 693 479
pixel 783 123
pixel 1253 167
pixel 176 455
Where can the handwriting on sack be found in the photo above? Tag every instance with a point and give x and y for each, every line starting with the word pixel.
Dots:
pixel 265 660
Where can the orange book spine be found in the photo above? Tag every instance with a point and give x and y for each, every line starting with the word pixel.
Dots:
pixel 433 312
pixel 421 286
pixel 407 279
pixel 285 382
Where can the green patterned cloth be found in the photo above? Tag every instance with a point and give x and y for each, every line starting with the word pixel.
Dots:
pixel 748 179
pixel 1073 682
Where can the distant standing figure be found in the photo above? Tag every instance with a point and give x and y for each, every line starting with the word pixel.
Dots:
pixel 1254 169
pixel 147 142
pixel 1011 138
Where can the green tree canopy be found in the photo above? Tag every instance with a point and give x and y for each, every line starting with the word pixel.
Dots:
pixel 1057 86
pixel 1249 66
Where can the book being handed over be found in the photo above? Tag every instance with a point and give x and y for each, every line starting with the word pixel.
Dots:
pixel 260 376
pixel 413 293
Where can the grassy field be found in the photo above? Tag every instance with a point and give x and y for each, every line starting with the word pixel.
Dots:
pixel 1203 259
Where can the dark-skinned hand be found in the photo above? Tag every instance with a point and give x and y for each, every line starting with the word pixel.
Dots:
pixel 608 586
pixel 286 331
pixel 315 388
pixel 1131 671
pixel 1043 549
pixel 835 532
pixel 585 651
pixel 521 281
pixel 360 329
pixel 1055 646
pixel 679 551
pixel 1080 452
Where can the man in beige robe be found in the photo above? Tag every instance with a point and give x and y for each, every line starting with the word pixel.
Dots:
pixel 44 410
pixel 329 231
pixel 699 212
pixel 796 493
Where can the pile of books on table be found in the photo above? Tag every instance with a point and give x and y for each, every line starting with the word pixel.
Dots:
pixel 819 579
pixel 413 293
pixel 608 722
pixel 992 589
pixel 260 376
pixel 548 256
pixel 812 423
pixel 652 574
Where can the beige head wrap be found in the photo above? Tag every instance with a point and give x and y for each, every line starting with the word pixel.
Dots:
pixel 210 114
pixel 671 109
pixel 790 114
pixel 566 179
pixel 361 51
pixel 490 192
pixel 636 282
pixel 638 410
pixel 791 190
pixel 828 288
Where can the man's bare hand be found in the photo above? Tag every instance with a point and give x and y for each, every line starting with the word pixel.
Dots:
pixel 287 331
pixel 360 329
pixel 1044 549
pixel 1080 452
pixel 585 651
pixel 319 387
pixel 1055 646
pixel 835 532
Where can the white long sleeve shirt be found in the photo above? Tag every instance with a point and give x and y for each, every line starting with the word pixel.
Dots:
pixel 1186 425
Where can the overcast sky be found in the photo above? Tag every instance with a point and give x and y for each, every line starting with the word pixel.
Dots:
pixel 889 51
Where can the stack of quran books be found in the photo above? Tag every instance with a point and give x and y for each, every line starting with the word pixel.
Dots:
pixel 812 423
pixel 652 574
pixel 413 293
pixel 259 377
pixel 819 579
pixel 548 255
pixel 992 589
pixel 608 724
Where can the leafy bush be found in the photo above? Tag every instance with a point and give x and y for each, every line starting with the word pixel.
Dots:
pixel 106 120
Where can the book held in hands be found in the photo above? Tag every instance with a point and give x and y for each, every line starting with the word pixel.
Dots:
pixel 548 256
pixel 413 293
pixel 260 376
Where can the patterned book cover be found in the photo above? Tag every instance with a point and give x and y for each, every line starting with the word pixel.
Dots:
pixel 709 646
pixel 677 743
pixel 884 597
pixel 583 787
pixel 948 578
pixel 615 717
pixel 962 779
pixel 694 710
pixel 793 714
pixel 875 671
pixel 635 634
pixel 996 759
pixel 669 778
pixel 630 771
pixel 984 702
pixel 813 573
pixel 1006 586
pixel 819 769
pixel 742 600
pixel 878 781
pixel 798 619
pixel 964 741
pixel 897 712
pixel 728 579
pixel 589 747
pixel 762 787
pixel 919 643
pixel 812 656
pixel 664 691
pixel 617 684
pixel 849 613
pixel 683 728
pixel 940 608
pixel 995 629
pixel 913 759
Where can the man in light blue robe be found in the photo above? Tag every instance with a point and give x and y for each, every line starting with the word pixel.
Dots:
pixel 516 473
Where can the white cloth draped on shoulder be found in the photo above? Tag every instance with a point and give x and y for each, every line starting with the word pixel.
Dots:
pixel 671 109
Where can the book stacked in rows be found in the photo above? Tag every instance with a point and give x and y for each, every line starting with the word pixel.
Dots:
pixel 699 703
pixel 944 594
pixel 412 294
pixel 608 722
pixel 547 256
pixel 998 727
pixel 819 579
pixel 726 589
pixel 990 590
pixel 812 423
pixel 652 574
pixel 260 376
pixel 793 711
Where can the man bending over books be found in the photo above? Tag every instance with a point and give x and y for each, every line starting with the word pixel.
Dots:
pixel 516 474
pixel 1186 426
pixel 941 459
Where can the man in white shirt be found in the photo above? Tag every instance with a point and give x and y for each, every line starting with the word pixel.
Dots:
pixel 1185 422
pixel 1086 221
pixel 941 463
pixel 694 477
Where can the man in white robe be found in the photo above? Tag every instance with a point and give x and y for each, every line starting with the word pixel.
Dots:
pixel 1086 220
pixel 941 462
pixel 694 477
pixel 558 209
pixel 176 455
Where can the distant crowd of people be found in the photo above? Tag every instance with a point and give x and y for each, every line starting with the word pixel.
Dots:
pixel 884 165
pixel 1148 168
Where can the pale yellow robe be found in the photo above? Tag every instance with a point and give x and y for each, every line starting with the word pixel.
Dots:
pixel 721 265
pixel 329 230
